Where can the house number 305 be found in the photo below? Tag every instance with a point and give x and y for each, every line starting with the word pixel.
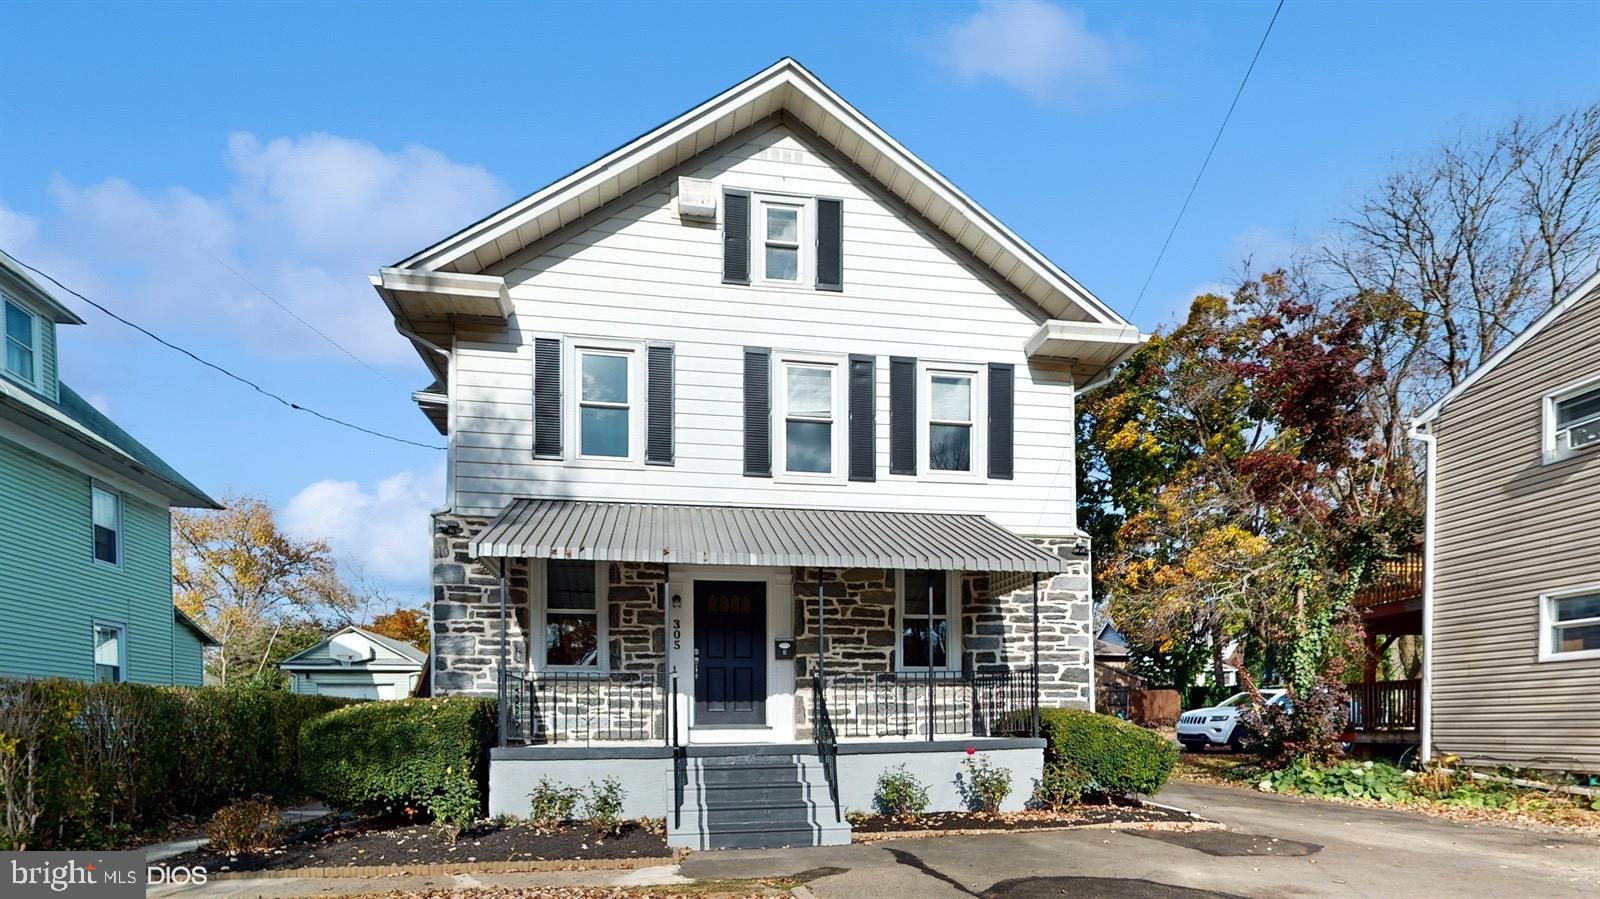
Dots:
pixel 677 633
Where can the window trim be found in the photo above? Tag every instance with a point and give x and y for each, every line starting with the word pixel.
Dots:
pixel 1551 450
pixel 122 550
pixel 780 418
pixel 572 402
pixel 539 590
pixel 1547 624
pixel 36 339
pixel 805 232
pixel 978 454
pixel 122 649
pixel 953 612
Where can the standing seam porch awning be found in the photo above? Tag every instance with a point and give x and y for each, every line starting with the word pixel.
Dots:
pixel 741 535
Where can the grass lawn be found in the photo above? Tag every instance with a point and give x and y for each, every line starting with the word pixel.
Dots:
pixel 1470 802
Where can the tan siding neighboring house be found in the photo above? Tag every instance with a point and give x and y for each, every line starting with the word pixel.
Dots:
pixel 1512 525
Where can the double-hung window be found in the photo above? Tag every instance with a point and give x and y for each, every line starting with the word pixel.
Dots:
pixel 950 407
pixel 1573 420
pixel 605 403
pixel 21 359
pixel 781 227
pixel 574 617
pixel 1571 624
pixel 926 631
pixel 105 509
pixel 810 413
pixel 108 648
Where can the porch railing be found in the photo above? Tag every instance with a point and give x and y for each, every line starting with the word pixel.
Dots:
pixel 827 741
pixel 920 704
pixel 1385 705
pixel 582 707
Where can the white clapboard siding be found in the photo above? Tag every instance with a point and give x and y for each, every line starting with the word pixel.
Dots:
pixel 640 274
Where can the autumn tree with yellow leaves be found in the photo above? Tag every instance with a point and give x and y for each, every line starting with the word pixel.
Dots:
pixel 1230 485
pixel 251 585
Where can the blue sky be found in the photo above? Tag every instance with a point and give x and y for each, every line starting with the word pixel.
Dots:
pixel 145 146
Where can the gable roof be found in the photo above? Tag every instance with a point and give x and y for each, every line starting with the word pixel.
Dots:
pixel 1590 286
pixel 15 278
pixel 785 87
pixel 405 650
pixel 71 422
pixel 182 617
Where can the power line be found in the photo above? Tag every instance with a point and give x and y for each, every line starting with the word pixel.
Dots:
pixel 219 369
pixel 296 316
pixel 1198 175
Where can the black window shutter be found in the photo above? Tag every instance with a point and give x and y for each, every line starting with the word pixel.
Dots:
pixel 735 238
pixel 902 415
pixel 1002 420
pixel 547 397
pixel 863 418
pixel 830 244
pixel 658 404
pixel 757 412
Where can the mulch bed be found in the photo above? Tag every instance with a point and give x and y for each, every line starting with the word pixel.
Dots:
pixel 395 841
pixel 1099 813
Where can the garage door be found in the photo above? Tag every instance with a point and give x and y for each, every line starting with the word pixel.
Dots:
pixel 349 691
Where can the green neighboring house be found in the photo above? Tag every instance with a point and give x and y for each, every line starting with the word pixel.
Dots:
pixel 85 521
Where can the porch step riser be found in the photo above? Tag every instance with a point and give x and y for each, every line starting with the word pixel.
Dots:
pixel 755 802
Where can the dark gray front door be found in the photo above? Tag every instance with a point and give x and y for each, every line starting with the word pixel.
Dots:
pixel 730 631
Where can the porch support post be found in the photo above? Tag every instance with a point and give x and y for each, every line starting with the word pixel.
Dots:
pixel 505 640
pixel 666 644
pixel 1036 654
pixel 930 652
pixel 822 640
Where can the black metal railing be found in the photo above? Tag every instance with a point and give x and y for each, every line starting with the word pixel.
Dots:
pixel 928 705
pixel 827 742
pixel 582 707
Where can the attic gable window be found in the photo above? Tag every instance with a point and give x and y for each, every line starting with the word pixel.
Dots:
pixel 21 342
pixel 781 257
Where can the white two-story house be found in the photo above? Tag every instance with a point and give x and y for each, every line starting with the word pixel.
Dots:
pixel 760 471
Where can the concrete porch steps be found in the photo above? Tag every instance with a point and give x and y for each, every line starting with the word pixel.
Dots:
pixel 755 802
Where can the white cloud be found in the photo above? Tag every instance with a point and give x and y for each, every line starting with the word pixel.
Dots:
pixel 382 530
pixel 1041 48
pixel 306 219
pixel 1264 248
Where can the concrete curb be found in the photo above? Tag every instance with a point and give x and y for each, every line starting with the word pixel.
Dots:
pixel 518 867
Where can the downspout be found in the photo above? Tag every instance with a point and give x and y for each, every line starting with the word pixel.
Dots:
pixel 1430 479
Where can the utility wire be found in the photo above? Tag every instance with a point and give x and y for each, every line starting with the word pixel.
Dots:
pixel 219 369
pixel 296 316
pixel 1214 141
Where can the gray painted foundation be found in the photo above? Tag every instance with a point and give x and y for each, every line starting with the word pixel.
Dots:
pixel 646 772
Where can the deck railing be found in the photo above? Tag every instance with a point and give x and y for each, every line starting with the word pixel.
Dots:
pixel 1393 580
pixel 582 707
pixel 1385 705
pixel 920 704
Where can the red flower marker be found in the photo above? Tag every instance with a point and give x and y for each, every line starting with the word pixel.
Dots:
pixel 971 751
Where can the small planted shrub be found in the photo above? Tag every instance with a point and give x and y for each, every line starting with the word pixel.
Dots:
pixel 248 825
pixel 552 805
pixel 1117 757
pixel 386 756
pixel 986 785
pixel 1060 786
pixel 603 806
pixel 900 794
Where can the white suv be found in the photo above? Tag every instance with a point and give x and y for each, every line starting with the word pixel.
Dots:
pixel 1219 725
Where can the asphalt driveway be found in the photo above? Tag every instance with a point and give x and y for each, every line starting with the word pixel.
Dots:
pixel 1273 846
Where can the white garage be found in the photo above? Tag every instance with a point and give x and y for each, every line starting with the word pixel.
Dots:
pixel 356 664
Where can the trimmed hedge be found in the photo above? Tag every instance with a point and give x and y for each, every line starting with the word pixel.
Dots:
pixel 1115 756
pixel 427 754
pixel 83 764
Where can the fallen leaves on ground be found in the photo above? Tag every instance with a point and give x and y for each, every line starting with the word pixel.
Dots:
pixel 728 889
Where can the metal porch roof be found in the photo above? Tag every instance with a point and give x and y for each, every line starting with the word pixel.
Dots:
pixel 740 535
